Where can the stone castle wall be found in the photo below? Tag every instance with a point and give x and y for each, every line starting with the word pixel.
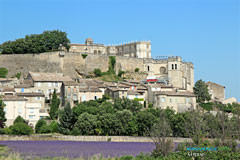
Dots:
pixel 52 62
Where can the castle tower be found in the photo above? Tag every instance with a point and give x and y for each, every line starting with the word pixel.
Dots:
pixel 89 41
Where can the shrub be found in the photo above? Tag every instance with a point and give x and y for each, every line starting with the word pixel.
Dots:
pixel 21 128
pixel 45 129
pixel 18 75
pixel 54 127
pixel 7 130
pixel 39 125
pixel 84 56
pixel 136 69
pixel 120 73
pixel 3 72
pixel 19 119
pixel 97 72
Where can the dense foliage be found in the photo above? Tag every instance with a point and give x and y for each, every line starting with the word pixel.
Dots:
pixel 66 120
pixel 20 129
pixel 36 43
pixel 201 90
pixel 127 117
pixel 97 72
pixel 136 69
pixel 2 115
pixel 3 72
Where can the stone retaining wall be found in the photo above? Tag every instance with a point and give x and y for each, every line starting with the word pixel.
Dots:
pixel 49 137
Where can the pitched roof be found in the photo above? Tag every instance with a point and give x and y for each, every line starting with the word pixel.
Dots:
pixel 13 98
pixel 29 94
pixel 70 83
pixel 48 77
pixel 132 92
pixel 114 89
pixel 26 83
pixel 8 89
pixel 89 89
pixel 173 93
pixel 8 79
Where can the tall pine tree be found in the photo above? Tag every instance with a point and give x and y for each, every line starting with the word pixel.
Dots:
pixel 54 106
pixel 2 115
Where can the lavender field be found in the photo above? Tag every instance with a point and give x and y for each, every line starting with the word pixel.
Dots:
pixel 75 149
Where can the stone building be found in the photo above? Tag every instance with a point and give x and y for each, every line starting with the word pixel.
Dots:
pixel 216 91
pixel 171 70
pixel 77 92
pixel 140 49
pixel 163 96
pixel 26 105
pixel 47 82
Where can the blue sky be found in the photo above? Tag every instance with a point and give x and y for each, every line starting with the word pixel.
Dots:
pixel 205 32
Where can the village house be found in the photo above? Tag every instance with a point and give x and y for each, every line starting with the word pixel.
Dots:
pixel 177 99
pixel 47 82
pixel 128 90
pixel 77 92
pixel 10 82
pixel 18 106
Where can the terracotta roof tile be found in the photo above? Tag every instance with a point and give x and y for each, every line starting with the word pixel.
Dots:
pixel 48 77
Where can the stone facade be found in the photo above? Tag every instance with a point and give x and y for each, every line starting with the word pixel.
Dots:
pixel 141 49
pixel 216 91
pixel 178 73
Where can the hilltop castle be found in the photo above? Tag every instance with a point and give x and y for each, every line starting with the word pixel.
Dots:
pixel 171 70
pixel 141 49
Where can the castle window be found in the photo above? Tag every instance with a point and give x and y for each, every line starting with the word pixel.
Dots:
pixel 175 66
pixel 162 70
pixel 148 68
pixel 172 66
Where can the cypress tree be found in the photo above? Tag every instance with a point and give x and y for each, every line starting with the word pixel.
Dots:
pixel 54 106
pixel 2 115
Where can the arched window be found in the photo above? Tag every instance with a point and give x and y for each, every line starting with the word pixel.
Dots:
pixel 175 66
pixel 162 70
pixel 172 66
pixel 148 68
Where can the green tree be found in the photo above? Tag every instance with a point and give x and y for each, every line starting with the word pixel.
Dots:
pixel 86 124
pixel 201 90
pixel 3 72
pixel 97 72
pixel 145 121
pixel 21 128
pixel 2 115
pixel 66 120
pixel 127 122
pixel 54 127
pixel 41 126
pixel 54 106
pixel 108 124
pixel 36 43
pixel 125 103
pixel 19 119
